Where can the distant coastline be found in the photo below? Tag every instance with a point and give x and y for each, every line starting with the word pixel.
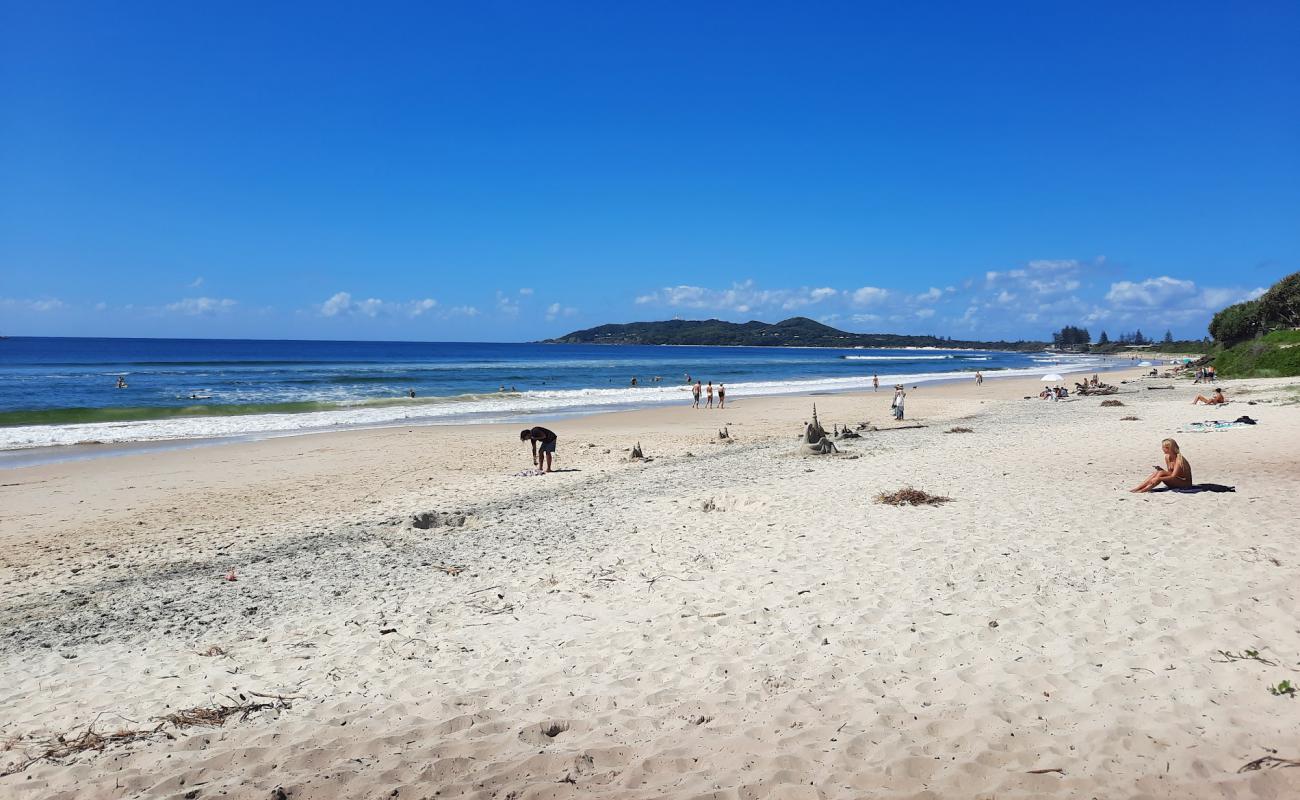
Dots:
pixel 793 332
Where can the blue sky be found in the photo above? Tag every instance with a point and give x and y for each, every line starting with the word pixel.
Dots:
pixel 508 171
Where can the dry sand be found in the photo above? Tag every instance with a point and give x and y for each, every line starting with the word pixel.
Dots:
pixel 726 620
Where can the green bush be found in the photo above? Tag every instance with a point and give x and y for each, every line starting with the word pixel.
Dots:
pixel 1268 357
pixel 1237 323
pixel 1280 305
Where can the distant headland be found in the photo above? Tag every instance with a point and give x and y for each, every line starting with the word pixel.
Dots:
pixel 793 332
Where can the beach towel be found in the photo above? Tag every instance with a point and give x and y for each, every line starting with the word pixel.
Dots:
pixel 1198 488
pixel 1211 425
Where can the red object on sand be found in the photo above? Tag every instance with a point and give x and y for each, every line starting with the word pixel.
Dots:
pixel 230 576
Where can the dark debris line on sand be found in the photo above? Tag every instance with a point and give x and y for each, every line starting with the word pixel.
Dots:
pixel 158 595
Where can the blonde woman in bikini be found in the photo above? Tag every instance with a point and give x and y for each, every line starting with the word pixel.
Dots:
pixel 1176 474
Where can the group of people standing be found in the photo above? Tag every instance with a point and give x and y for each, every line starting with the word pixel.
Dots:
pixel 707 390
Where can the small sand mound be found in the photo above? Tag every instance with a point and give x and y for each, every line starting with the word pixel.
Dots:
pixel 959 429
pixel 909 496
pixel 1111 403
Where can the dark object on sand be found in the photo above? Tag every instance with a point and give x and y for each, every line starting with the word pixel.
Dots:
pixel 637 455
pixel 1245 420
pixel 1154 388
pixel 1085 390
pixel 959 429
pixel 1128 419
pixel 1198 488
pixel 1111 403
pixel 1268 762
pixel 724 433
pixel 845 433
pixel 909 496
pixel 427 520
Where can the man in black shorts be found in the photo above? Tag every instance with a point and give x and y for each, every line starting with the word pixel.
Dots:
pixel 546 438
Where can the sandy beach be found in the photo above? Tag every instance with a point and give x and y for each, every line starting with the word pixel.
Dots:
pixel 411 617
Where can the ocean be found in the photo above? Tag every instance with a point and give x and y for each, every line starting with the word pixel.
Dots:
pixel 62 391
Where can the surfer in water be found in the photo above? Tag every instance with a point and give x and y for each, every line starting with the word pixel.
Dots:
pixel 121 382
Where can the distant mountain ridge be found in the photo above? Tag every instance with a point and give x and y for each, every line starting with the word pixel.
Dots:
pixel 793 332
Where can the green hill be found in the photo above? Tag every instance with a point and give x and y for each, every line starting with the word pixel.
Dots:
pixel 793 332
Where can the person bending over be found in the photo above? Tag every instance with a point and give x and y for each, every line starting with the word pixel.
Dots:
pixel 1176 474
pixel 1216 398
pixel 546 438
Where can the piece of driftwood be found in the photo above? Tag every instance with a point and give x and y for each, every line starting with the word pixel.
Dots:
pixel 1268 762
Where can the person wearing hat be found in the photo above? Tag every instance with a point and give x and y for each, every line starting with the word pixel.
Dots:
pixel 899 397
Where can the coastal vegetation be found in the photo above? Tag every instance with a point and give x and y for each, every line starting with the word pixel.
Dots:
pixel 1259 338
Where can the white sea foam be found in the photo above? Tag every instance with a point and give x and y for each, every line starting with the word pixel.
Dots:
pixel 896 358
pixel 479 408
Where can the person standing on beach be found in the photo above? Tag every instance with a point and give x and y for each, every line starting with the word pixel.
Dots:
pixel 899 397
pixel 875 382
pixel 546 438
pixel 709 391
pixel 979 378
pixel 695 391
pixel 722 396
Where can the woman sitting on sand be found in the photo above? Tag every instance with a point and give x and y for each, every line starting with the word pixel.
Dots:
pixel 1215 399
pixel 1177 473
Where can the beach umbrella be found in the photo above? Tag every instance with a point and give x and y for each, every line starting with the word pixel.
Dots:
pixel 1051 376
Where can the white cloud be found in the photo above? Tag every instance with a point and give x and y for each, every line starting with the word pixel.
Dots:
pixel 463 311
pixel 418 307
pixel 740 298
pixel 994 276
pixel 1216 299
pixel 342 304
pixel 526 292
pixel 555 310
pixel 507 304
pixel 924 313
pixel 336 305
pixel 1150 293
pixel 869 295
pixel 42 305
pixel 370 307
pixel 199 306
pixel 929 296
pixel 196 283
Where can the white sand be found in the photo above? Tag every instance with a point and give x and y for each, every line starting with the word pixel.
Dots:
pixel 611 638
